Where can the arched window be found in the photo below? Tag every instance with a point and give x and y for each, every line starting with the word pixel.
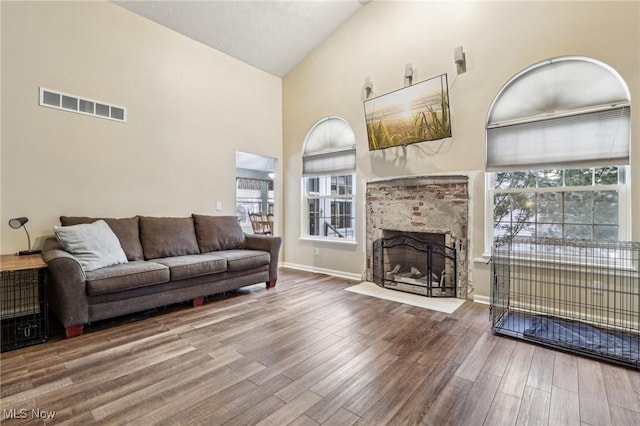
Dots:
pixel 558 153
pixel 328 170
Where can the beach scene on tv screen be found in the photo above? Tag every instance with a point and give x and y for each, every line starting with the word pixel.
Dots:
pixel 416 113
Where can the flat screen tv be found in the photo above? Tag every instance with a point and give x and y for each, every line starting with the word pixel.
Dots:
pixel 415 113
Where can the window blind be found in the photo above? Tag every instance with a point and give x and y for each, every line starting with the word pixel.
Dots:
pixel 562 112
pixel 329 163
pixel 329 148
pixel 592 139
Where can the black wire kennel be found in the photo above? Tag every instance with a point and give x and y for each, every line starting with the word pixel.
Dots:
pixel 580 296
pixel 23 315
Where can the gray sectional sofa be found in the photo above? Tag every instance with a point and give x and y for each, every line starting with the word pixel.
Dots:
pixel 168 260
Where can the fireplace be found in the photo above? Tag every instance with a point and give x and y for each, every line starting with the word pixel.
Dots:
pixel 415 262
pixel 419 222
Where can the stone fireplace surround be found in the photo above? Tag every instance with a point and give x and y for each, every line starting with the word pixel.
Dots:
pixel 428 204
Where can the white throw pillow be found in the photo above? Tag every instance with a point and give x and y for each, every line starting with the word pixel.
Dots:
pixel 93 244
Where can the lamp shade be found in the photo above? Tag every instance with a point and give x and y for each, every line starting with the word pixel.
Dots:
pixel 18 222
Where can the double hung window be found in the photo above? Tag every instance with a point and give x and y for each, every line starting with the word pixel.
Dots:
pixel 584 203
pixel 329 181
pixel 329 201
pixel 558 153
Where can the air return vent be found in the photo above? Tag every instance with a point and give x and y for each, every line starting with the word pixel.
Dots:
pixel 64 101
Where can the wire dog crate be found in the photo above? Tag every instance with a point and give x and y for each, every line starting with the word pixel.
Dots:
pixel 580 296
pixel 23 316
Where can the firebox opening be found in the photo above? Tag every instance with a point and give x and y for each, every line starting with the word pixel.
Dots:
pixel 416 262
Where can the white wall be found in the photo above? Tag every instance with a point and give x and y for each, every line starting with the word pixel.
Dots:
pixel 499 38
pixel 190 108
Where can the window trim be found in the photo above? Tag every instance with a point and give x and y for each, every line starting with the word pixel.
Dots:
pixel 332 240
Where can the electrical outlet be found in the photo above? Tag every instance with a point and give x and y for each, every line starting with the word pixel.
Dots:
pixel 317 251
pixel 218 205
pixel 597 287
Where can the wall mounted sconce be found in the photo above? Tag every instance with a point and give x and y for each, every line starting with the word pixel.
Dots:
pixel 409 73
pixel 460 59
pixel 18 223
pixel 368 86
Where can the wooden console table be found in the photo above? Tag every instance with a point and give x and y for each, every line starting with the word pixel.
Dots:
pixel 23 302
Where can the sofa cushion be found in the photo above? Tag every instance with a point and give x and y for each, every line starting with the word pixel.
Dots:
pixel 94 245
pixel 240 260
pixel 124 277
pixel 218 233
pixel 125 229
pixel 167 236
pixel 181 267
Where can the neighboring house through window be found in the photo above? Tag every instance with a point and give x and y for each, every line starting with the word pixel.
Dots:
pixel 328 169
pixel 558 153
pixel 252 196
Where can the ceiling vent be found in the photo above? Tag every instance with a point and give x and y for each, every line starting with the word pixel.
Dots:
pixel 72 103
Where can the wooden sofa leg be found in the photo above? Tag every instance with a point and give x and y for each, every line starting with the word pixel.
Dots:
pixel 74 331
pixel 198 301
pixel 271 284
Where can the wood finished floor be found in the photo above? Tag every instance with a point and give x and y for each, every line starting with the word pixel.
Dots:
pixel 308 353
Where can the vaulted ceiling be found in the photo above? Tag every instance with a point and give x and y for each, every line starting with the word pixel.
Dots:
pixel 273 36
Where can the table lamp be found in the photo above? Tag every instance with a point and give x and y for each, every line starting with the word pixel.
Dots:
pixel 18 223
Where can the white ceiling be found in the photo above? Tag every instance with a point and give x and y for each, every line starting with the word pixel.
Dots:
pixel 271 35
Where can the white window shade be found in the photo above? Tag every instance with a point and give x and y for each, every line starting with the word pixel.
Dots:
pixel 330 147
pixel 594 139
pixel 552 87
pixel 569 111
pixel 330 163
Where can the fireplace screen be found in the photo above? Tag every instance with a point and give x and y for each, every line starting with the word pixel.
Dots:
pixel 423 264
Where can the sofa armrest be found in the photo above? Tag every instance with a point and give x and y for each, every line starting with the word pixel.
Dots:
pixel 267 243
pixel 66 285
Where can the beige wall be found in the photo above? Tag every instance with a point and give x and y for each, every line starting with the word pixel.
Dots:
pixel 499 39
pixel 189 109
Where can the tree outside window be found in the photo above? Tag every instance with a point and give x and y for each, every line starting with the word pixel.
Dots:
pixel 558 203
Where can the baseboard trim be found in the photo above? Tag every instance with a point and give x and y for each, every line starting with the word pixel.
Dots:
pixel 332 272
pixel 482 299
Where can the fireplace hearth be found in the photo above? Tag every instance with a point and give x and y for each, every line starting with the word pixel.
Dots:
pixel 419 263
